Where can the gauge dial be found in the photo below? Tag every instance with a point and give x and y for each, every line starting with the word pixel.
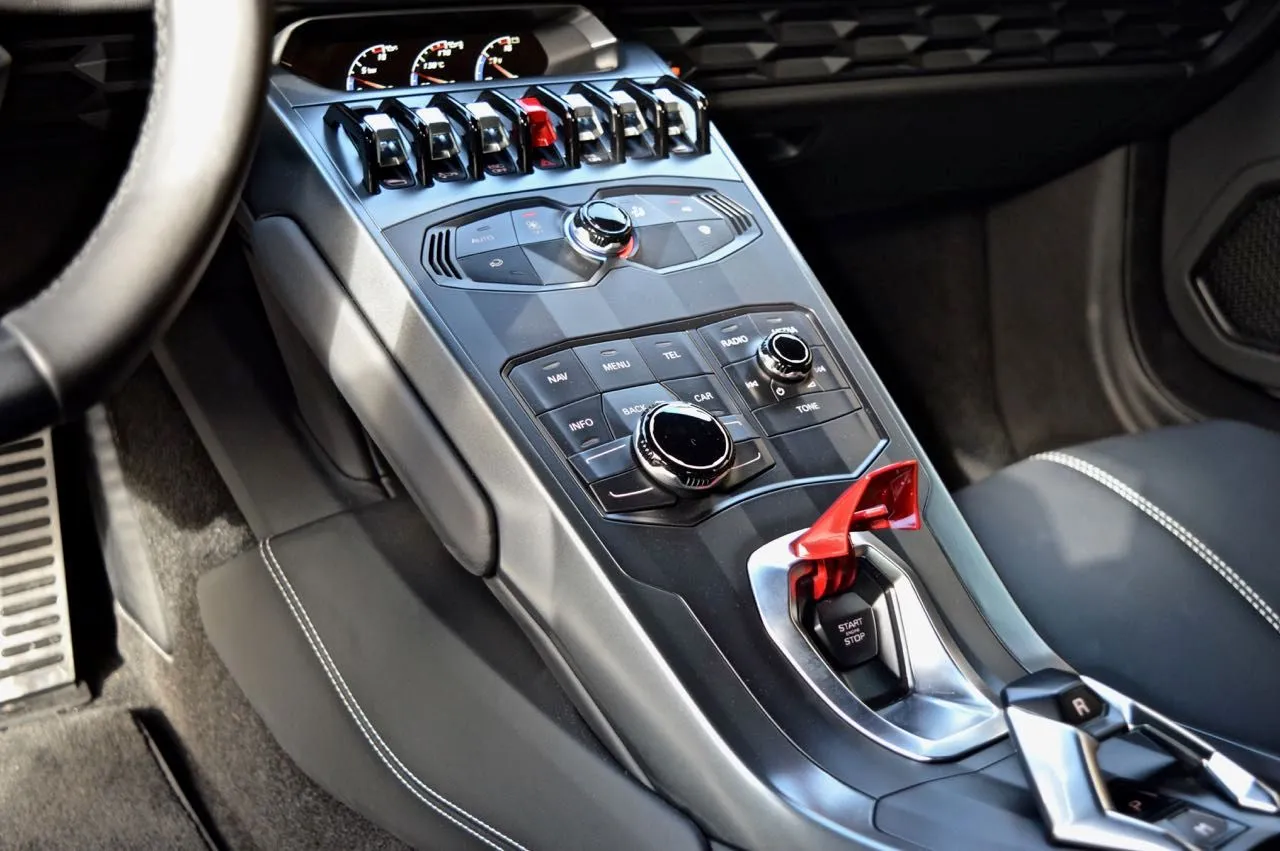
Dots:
pixel 439 62
pixel 500 59
pixel 366 71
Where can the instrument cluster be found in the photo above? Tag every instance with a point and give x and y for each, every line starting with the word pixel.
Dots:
pixel 394 64
pixel 380 51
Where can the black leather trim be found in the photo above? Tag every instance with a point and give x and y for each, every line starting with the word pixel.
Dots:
pixel 1123 598
pixel 92 325
pixel 431 661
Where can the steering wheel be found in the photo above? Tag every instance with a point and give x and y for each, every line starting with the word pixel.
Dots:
pixel 72 343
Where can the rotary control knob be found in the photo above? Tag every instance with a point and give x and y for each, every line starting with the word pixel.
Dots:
pixel 785 356
pixel 601 229
pixel 683 447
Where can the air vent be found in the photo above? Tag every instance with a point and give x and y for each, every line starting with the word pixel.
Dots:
pixel 35 647
pixel 439 258
pixel 737 217
pixel 744 46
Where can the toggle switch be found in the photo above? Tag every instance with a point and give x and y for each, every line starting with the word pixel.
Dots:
pixel 543 153
pixel 435 144
pixel 378 143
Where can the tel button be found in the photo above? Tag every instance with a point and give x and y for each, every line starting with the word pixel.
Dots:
pixel 671 355
pixel 578 427
pixel 552 381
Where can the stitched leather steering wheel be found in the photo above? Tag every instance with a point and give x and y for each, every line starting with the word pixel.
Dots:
pixel 75 341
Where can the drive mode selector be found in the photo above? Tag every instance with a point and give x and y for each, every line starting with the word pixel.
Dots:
pixel 683 447
pixel 785 357
pixel 601 229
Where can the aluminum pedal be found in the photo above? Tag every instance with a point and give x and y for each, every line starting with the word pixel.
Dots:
pixel 35 624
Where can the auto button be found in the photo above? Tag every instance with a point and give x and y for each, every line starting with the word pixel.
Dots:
pixel 487 234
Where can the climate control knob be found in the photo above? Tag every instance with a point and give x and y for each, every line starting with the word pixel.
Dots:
pixel 682 447
pixel 785 356
pixel 601 229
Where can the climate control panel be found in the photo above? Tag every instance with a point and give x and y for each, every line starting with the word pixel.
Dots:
pixel 542 243
pixel 681 421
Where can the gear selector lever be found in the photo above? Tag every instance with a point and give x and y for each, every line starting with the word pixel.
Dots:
pixel 1058 720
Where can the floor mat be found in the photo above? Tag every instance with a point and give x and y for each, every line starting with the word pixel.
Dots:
pixel 88 780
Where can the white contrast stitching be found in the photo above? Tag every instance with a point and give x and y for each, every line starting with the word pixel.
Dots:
pixel 388 757
pixel 1172 526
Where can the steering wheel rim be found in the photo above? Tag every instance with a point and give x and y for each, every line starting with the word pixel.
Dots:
pixel 77 339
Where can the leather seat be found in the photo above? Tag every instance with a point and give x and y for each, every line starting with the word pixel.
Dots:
pixel 1152 562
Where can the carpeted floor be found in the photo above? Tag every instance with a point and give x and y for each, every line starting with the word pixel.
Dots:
pixel 89 779
pixel 250 794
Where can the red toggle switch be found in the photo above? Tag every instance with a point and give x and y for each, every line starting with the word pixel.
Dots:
pixel 541 130
pixel 887 498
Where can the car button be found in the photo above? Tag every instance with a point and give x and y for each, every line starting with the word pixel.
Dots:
pixel 804 411
pixel 671 355
pixel 604 461
pixel 757 389
pixel 825 373
pixel 538 224
pixel 485 235
pixel 502 266
pixel 706 237
pixel 623 408
pixel 703 391
pixel 557 263
pixel 733 340
pixel 750 459
pixel 578 427
pixel 643 211
pixel 788 320
pixel 552 381
pixel 631 491
pixel 662 246
pixel 615 364
pixel 682 208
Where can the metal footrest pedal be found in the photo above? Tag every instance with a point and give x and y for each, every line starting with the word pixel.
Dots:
pixel 35 624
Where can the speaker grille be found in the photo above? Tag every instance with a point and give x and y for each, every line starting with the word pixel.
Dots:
pixel 1240 276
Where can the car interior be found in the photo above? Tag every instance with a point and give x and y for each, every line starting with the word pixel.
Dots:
pixel 710 425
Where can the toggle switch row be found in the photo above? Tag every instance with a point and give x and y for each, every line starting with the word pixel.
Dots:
pixel 497 135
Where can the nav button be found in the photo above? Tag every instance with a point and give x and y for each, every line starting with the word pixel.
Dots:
pixel 552 381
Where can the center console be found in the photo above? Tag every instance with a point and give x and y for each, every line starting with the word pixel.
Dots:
pixel 598 364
